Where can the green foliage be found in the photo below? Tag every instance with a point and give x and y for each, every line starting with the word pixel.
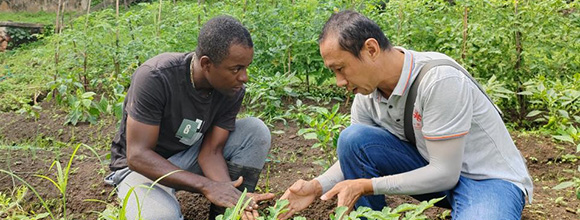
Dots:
pixel 505 43
pixel 41 17
pixel 22 106
pixel 410 211
pixel 573 183
pixel 556 105
pixel 264 96
pixel 404 211
pixel 19 36
pixel 325 126
pixel 61 183
pixel 10 207
pixel 237 211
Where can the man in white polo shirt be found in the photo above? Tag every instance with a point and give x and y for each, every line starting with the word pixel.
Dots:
pixel 463 150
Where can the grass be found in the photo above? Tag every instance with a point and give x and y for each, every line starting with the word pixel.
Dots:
pixel 45 18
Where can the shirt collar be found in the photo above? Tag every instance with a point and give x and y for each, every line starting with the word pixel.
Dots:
pixel 407 75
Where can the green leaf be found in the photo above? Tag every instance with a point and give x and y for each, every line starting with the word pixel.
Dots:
pixel 566 138
pixel 563 185
pixel 317 145
pixel 533 113
pixel 563 113
pixel 340 212
pixel 88 95
pixel 310 136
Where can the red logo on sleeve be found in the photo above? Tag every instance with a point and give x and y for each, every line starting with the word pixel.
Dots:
pixel 417 124
pixel 417 116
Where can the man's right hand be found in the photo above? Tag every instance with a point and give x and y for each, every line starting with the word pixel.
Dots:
pixel 223 194
pixel 300 195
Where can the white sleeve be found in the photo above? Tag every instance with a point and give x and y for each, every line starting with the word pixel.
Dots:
pixel 442 172
pixel 331 177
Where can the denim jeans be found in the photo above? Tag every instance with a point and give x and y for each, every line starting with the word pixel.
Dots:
pixel 247 146
pixel 367 151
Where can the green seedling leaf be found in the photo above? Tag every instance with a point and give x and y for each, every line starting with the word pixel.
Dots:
pixel 563 185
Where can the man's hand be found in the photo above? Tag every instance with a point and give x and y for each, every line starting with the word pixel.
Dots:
pixel 300 195
pixel 349 191
pixel 257 198
pixel 250 213
pixel 223 194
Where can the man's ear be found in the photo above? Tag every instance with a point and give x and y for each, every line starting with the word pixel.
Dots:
pixel 205 63
pixel 371 48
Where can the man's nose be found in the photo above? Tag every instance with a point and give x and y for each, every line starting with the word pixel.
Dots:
pixel 341 81
pixel 243 77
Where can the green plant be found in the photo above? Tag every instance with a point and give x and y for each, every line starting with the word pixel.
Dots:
pixel 410 211
pixel 325 127
pixel 10 207
pixel 555 104
pixel 61 182
pixel 19 36
pixel 496 89
pixel 62 176
pixel 404 211
pixel 573 183
pixel 22 106
pixel 42 201
pixel 235 213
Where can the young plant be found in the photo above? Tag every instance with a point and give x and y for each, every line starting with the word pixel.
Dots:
pixel 573 183
pixel 404 211
pixel 62 176
pixel 325 127
pixel 236 212
pixel 42 202
pixel 10 205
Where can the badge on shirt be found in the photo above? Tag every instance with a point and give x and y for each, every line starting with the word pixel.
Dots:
pixel 188 132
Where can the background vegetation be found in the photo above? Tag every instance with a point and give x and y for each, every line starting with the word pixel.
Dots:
pixel 525 53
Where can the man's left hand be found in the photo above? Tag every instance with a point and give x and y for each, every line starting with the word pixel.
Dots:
pixel 349 191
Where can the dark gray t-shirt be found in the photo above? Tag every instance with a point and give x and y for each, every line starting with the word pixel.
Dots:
pixel 161 94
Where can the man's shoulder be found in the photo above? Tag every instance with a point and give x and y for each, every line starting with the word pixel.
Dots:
pixel 166 60
pixel 440 71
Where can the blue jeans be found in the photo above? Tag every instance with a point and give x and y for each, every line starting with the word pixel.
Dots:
pixel 367 151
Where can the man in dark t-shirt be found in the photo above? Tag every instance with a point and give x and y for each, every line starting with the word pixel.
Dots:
pixel 179 128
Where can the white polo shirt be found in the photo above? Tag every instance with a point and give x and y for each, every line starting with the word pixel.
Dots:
pixel 448 105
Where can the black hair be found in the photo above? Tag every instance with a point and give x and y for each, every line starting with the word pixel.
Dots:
pixel 353 29
pixel 218 35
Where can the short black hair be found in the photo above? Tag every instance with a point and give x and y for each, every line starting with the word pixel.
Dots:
pixel 353 29
pixel 218 35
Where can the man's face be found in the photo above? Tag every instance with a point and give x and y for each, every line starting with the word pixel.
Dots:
pixel 230 75
pixel 351 72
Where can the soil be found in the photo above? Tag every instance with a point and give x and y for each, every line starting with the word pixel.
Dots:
pixel 30 146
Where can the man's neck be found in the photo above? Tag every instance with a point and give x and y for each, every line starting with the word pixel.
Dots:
pixel 390 71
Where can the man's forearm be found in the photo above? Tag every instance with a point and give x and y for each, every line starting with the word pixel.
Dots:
pixel 442 172
pixel 153 166
pixel 331 177
pixel 214 167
